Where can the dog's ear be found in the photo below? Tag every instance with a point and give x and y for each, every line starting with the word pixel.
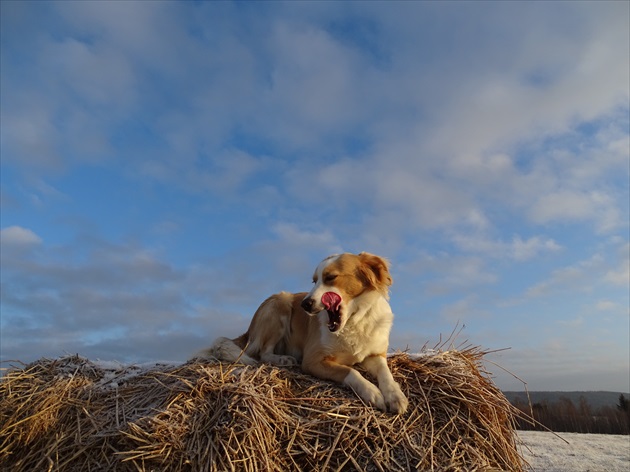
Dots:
pixel 375 271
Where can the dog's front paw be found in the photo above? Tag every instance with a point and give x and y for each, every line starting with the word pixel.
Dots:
pixel 395 399
pixel 370 394
pixel 286 360
pixel 276 359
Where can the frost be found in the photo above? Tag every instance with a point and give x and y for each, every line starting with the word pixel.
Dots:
pixel 584 452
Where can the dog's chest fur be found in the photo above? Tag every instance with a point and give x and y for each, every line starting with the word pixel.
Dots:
pixel 366 332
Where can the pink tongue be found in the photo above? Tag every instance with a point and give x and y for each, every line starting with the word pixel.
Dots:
pixel 331 301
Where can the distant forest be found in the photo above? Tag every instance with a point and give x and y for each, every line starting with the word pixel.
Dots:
pixel 561 413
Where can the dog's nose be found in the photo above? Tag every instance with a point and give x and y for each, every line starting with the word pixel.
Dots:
pixel 307 304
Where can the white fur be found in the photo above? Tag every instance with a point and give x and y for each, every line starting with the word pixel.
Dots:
pixel 224 348
pixel 366 331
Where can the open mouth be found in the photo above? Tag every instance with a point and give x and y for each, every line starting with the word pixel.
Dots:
pixel 332 304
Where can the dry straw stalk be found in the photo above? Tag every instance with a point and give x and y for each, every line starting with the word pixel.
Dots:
pixel 69 414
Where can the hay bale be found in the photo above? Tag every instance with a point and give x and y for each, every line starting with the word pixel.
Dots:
pixel 70 414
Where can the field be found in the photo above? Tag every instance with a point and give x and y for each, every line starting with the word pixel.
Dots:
pixel 546 452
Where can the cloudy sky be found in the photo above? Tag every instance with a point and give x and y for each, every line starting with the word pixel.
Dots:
pixel 166 166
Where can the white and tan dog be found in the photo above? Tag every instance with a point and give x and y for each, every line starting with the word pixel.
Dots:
pixel 344 320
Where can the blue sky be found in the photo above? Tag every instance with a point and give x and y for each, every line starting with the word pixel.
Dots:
pixel 166 166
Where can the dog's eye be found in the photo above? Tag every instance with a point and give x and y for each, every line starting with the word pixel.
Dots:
pixel 329 278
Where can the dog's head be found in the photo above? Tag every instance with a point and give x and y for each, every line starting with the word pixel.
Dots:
pixel 341 279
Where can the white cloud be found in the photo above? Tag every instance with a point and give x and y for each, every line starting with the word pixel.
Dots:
pixel 518 249
pixel 225 173
pixel 522 250
pixel 463 310
pixel 290 233
pixel 433 155
pixel 499 103
pixel 16 236
pixel 454 274
pixel 576 322
pixel 606 305
pixel 86 297
pixel 621 274
pixel 576 277
pixel 577 206
pixel 306 58
pixel 97 74
pixel 29 136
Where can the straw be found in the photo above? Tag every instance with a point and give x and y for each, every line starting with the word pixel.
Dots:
pixel 69 414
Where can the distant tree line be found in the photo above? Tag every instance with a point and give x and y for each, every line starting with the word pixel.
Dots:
pixel 566 416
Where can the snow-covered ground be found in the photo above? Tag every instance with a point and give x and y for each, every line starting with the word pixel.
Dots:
pixel 546 452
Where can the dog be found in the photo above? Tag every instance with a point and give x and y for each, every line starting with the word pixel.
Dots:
pixel 343 321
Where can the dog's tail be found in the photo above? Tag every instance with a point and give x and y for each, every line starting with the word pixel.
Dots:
pixel 226 350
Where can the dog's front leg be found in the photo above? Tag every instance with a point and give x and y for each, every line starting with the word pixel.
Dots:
pixel 329 369
pixel 394 397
